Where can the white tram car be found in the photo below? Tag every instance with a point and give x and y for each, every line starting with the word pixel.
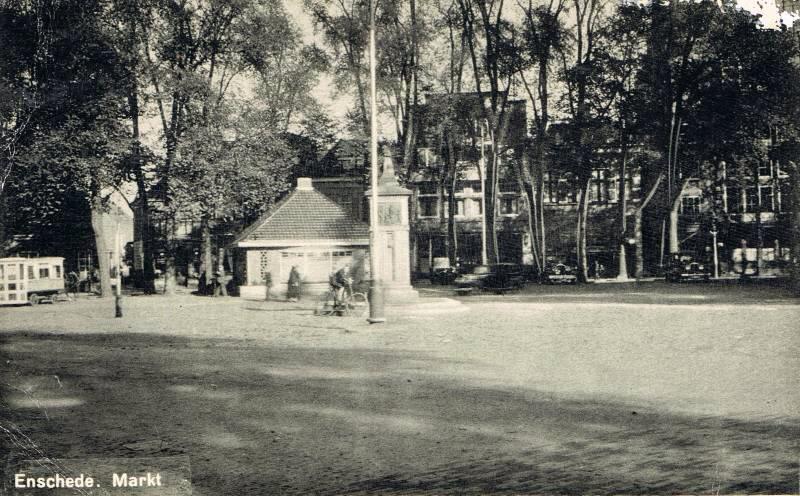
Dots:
pixel 30 280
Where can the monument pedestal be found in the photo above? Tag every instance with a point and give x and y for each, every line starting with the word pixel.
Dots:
pixel 393 237
pixel 400 295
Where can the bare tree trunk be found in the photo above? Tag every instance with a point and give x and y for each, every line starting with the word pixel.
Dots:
pixel 674 240
pixel 622 260
pixel 540 220
pixel 145 276
pixel 103 260
pixel 206 253
pixel 638 226
pixel 223 277
pixel 637 233
pixel 452 247
pixel 2 224
pixel 170 279
pixel 583 214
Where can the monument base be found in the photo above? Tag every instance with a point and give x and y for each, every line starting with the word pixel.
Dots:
pixel 400 295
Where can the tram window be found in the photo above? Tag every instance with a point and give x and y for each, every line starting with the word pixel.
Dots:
pixel 58 271
pixel 30 272
pixel 44 273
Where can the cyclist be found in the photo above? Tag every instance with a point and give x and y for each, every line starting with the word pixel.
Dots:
pixel 340 281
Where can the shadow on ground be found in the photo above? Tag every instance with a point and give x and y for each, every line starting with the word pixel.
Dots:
pixel 256 419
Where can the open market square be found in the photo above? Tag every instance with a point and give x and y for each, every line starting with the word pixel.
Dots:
pixel 603 389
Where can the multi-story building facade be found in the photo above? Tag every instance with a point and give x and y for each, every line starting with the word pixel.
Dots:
pixel 430 232
pixel 747 216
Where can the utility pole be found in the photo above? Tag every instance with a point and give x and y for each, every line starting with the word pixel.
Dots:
pixel 376 314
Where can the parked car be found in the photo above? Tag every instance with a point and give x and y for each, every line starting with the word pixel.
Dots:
pixel 685 267
pixel 560 273
pixel 442 272
pixel 497 278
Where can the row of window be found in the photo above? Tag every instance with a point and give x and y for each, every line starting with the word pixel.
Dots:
pixel 747 200
pixel 317 254
pixel 428 206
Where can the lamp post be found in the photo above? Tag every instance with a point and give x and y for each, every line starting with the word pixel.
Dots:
pixel 376 314
pixel 482 166
pixel 117 264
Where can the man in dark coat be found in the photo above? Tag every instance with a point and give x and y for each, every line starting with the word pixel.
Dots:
pixel 293 292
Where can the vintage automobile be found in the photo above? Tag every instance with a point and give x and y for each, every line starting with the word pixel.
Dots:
pixel 685 267
pixel 497 278
pixel 560 273
pixel 442 272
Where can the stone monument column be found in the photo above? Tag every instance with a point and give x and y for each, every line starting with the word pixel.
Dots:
pixel 393 235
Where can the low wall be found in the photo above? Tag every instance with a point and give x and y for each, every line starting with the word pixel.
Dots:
pixel 278 291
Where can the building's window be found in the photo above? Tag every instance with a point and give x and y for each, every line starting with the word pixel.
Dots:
pixel 477 207
pixel 508 187
pixel 461 207
pixel 559 190
pixel 263 265
pixel 600 186
pixel 566 192
pixel 475 185
pixel 784 204
pixel 690 205
pixel 427 188
pixel 765 169
pixel 734 199
pixel 44 273
pixel 508 205
pixel 751 199
pixel 766 198
pixel 428 206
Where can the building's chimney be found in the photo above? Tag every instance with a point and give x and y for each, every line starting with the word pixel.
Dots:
pixel 304 184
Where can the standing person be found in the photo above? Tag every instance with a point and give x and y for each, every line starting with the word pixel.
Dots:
pixel 293 293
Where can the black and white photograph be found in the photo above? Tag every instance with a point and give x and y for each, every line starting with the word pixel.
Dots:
pixel 399 247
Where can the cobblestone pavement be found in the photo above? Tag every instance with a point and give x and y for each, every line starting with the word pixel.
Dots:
pixel 509 397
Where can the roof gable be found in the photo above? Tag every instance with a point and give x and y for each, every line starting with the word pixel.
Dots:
pixel 306 215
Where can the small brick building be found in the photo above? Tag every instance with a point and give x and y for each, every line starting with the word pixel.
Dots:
pixel 306 229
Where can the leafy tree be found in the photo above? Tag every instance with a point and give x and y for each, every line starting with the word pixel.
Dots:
pixel 403 32
pixel 229 172
pixel 543 39
pixel 493 48
pixel 71 144
pixel 187 57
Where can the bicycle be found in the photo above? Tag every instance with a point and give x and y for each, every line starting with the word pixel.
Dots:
pixel 352 304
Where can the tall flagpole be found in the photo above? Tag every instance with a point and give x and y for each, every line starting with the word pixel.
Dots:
pixel 375 289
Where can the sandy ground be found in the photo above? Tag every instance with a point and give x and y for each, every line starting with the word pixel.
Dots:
pixel 527 394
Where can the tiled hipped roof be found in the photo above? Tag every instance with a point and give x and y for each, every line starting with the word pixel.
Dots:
pixel 305 215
